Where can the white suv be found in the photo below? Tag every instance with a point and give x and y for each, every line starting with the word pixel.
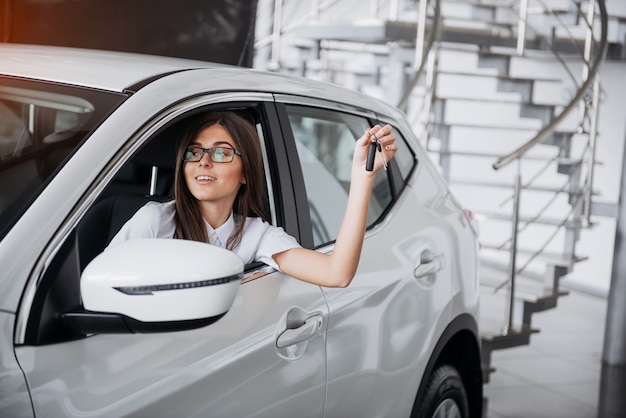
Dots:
pixel 87 137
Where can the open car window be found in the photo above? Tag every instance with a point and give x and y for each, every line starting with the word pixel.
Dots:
pixel 146 176
pixel 325 142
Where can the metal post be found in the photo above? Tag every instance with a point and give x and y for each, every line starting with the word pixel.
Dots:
pixel 614 352
pixel 374 9
pixel 394 9
pixel 276 31
pixel 521 27
pixel 513 260
pixel 315 9
pixel 421 34
pixel 595 107
pixel 587 58
pixel 430 86
pixel 591 11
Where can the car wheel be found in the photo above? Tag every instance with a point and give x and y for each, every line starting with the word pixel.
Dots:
pixel 444 396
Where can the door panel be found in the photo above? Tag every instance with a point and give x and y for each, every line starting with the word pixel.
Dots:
pixel 230 368
pixel 382 327
pixel 14 398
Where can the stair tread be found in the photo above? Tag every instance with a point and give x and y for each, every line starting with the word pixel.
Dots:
pixel 553 258
pixel 499 127
pixel 560 161
pixel 478 23
pixel 362 30
pixel 524 290
pixel 503 99
pixel 504 52
pixel 506 5
pixel 515 333
pixel 499 76
pixel 509 185
pixel 541 220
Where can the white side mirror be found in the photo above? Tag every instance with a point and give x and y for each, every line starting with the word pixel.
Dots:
pixel 157 285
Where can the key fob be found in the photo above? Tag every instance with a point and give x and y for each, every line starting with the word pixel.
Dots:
pixel 371 155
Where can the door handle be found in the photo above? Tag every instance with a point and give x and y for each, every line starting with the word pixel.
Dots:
pixel 429 265
pixel 309 329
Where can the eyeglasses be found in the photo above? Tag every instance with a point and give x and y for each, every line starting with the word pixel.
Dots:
pixel 216 154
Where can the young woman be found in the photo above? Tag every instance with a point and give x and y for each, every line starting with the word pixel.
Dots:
pixel 218 199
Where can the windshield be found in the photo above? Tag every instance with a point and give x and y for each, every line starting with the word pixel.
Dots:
pixel 41 125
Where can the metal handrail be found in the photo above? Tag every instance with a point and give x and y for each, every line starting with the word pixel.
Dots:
pixel 549 129
pixel 422 51
pixel 589 76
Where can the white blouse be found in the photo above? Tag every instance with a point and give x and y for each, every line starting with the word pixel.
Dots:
pixel 259 241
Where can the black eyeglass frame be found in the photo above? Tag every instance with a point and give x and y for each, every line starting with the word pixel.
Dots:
pixel 210 152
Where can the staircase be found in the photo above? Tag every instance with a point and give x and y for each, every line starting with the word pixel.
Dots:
pixel 504 95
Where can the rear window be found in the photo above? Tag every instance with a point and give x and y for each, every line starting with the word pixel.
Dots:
pixel 41 125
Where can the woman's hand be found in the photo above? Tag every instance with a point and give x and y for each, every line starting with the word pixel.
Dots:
pixel 385 138
pixel 337 269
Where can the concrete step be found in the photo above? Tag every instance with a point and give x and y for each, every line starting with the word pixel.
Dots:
pixel 487 115
pixel 469 137
pixel 509 186
pixel 499 341
pixel 536 221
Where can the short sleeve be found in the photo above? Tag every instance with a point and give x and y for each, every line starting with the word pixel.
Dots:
pixel 274 241
pixel 262 240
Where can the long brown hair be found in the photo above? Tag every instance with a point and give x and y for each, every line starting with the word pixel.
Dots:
pixel 189 222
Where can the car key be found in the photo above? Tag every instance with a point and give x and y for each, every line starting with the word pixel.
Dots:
pixel 371 155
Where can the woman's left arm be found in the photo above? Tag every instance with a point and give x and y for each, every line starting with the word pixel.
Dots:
pixel 339 267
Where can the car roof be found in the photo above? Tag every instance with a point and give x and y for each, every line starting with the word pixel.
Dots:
pixel 119 71
pixel 107 70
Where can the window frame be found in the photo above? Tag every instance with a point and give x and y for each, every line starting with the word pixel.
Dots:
pixel 394 176
pixel 61 271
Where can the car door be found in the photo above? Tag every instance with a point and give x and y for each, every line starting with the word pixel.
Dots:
pixel 383 326
pixel 238 366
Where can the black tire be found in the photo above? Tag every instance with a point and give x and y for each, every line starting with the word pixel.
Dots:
pixel 444 396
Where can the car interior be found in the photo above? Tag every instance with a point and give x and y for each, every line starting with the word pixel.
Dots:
pixel 147 176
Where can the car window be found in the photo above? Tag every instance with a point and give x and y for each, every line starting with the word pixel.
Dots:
pixel 40 125
pixel 404 157
pixel 325 142
pixel 146 176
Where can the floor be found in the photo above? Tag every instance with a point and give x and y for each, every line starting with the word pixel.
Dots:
pixel 559 374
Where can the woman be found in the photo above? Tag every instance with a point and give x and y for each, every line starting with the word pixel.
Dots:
pixel 219 185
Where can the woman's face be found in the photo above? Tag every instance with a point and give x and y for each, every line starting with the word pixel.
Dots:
pixel 212 182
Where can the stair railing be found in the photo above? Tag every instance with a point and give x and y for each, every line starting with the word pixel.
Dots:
pixel 423 47
pixel 320 6
pixel 428 23
pixel 425 63
pixel 588 110
pixel 592 67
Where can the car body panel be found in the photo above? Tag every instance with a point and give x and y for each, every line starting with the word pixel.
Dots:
pixel 190 373
pixel 412 312
pixel 376 338
pixel 14 395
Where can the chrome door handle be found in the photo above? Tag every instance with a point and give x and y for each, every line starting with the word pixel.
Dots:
pixel 428 267
pixel 309 329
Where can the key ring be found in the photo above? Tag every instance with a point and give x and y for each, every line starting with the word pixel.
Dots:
pixel 371 155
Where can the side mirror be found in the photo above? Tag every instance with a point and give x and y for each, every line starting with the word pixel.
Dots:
pixel 156 285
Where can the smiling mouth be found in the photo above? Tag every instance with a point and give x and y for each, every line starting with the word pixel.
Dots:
pixel 205 178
